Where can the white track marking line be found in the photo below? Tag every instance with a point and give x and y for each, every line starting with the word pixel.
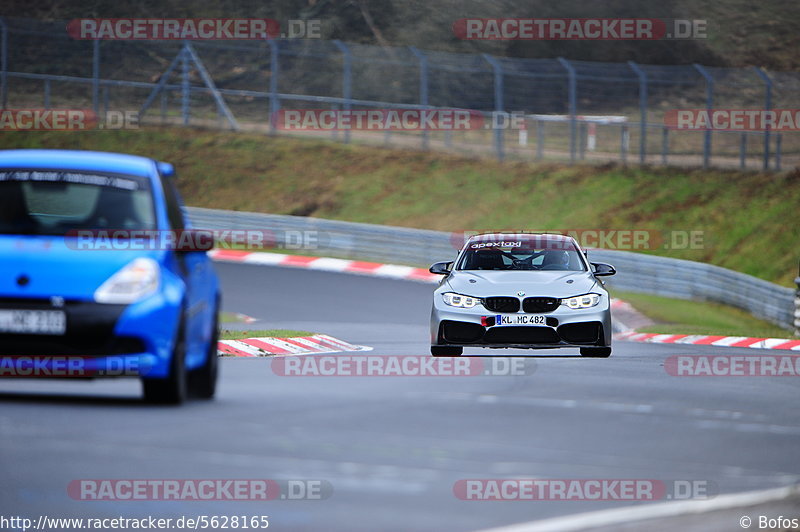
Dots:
pixel 616 516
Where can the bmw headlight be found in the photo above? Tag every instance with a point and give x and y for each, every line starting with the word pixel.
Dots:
pixel 582 301
pixel 133 282
pixel 460 300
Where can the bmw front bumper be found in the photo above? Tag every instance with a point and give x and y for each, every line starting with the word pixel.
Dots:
pixel 565 327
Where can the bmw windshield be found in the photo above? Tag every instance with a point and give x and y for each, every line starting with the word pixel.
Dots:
pixel 522 254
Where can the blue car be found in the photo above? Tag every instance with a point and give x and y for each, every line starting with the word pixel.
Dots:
pixel 97 277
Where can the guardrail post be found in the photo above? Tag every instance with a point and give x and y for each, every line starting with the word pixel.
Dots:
pixel 423 88
pixel 642 110
pixel 499 106
pixel 3 63
pixel 709 106
pixel 96 76
pixel 797 306
pixel 767 107
pixel 274 68
pixel 573 106
pixel 185 85
pixel 347 81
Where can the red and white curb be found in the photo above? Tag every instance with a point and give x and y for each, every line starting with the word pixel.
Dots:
pixel 718 341
pixel 297 345
pixel 391 271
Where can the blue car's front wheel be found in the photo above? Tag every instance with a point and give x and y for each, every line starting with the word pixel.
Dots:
pixel 173 388
pixel 203 380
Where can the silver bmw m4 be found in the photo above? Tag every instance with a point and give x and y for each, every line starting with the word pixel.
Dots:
pixel 531 291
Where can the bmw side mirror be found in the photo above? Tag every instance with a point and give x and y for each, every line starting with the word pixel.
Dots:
pixel 601 269
pixel 441 268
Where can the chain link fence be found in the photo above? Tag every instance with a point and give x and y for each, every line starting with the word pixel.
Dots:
pixel 573 110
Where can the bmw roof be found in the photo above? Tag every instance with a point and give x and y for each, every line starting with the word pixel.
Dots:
pixel 77 160
pixel 535 237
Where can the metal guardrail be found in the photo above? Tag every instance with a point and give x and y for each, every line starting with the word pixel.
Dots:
pixel 637 272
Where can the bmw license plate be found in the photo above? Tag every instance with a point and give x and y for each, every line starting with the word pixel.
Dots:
pixel 520 319
pixel 33 321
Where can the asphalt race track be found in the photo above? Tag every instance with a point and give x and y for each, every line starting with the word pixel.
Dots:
pixel 393 447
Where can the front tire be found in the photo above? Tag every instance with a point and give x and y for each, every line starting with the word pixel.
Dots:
pixel 172 389
pixel 446 350
pixel 203 380
pixel 596 352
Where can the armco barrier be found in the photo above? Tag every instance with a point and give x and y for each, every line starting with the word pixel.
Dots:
pixel 637 272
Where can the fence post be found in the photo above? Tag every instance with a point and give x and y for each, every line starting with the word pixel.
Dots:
pixel 778 150
pixel 185 85
pixel 539 139
pixel 709 107
pixel 767 107
pixel 96 76
pixel 742 150
pixel 423 88
pixel 3 62
pixel 664 145
pixel 274 100
pixel 797 306
pixel 573 106
pixel 347 81
pixel 623 143
pixel 498 103
pixel 642 111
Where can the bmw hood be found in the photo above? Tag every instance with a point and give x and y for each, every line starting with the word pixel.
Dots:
pixel 485 283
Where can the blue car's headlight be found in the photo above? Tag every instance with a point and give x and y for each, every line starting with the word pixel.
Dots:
pixel 460 300
pixel 582 301
pixel 138 279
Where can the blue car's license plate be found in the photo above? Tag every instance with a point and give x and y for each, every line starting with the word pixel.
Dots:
pixel 33 321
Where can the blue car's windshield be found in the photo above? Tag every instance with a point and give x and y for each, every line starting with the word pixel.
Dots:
pixel 521 255
pixel 57 202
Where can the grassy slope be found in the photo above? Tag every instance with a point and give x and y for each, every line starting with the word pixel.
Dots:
pixel 675 316
pixel 749 219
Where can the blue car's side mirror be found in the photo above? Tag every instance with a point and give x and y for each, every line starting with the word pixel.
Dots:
pixel 166 169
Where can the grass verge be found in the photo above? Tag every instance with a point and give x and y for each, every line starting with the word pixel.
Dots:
pixel 743 218
pixel 228 334
pixel 678 316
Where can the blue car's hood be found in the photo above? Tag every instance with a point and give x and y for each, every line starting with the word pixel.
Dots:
pixel 55 269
